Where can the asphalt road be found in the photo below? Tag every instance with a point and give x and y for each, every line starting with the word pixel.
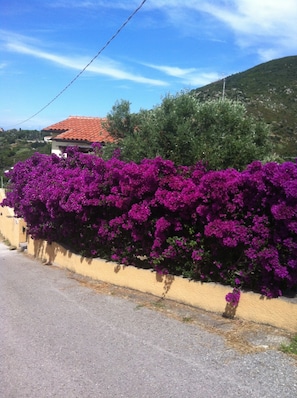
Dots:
pixel 61 339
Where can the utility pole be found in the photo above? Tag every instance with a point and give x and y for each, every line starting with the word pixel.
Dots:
pixel 224 86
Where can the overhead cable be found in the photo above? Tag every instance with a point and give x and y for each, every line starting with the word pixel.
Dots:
pixel 92 60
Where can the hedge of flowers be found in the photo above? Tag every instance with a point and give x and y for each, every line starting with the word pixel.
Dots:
pixel 231 227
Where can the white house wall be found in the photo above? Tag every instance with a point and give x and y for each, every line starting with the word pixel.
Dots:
pixel 58 147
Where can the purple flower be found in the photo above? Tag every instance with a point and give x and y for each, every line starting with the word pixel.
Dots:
pixel 197 255
pixel 161 271
pixel 233 297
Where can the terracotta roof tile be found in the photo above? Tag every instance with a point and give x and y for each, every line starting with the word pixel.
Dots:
pixel 81 128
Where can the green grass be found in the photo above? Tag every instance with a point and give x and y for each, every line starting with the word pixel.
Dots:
pixel 139 306
pixel 187 319
pixel 290 348
pixel 159 304
pixel 6 242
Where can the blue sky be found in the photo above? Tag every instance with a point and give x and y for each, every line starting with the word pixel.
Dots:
pixel 168 46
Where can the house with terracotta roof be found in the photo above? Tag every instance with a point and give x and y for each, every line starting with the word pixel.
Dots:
pixel 80 131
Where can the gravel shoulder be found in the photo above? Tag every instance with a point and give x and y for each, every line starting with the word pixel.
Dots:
pixel 243 336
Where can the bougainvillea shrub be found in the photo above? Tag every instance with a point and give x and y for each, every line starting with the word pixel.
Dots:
pixel 236 228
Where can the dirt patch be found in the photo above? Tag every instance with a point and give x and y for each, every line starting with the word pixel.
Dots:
pixel 244 336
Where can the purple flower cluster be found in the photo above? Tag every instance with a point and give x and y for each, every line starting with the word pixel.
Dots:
pixel 232 227
pixel 233 297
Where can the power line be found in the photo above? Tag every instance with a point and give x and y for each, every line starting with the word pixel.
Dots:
pixel 92 60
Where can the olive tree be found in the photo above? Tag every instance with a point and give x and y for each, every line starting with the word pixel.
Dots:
pixel 185 130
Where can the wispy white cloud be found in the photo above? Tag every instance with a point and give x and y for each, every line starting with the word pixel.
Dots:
pixel 10 36
pixel 115 4
pixel 104 66
pixel 266 27
pixel 189 76
pixel 172 70
pixel 256 17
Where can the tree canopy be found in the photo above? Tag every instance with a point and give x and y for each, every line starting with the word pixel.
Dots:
pixel 186 131
pixel 19 145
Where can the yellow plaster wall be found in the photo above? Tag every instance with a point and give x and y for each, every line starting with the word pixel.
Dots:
pixel 209 296
pixel 11 228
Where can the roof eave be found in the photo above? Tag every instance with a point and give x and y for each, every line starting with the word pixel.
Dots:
pixel 70 140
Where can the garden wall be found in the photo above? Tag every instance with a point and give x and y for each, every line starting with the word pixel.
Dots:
pixel 11 228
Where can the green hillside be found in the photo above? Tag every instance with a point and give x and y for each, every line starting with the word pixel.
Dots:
pixel 269 92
